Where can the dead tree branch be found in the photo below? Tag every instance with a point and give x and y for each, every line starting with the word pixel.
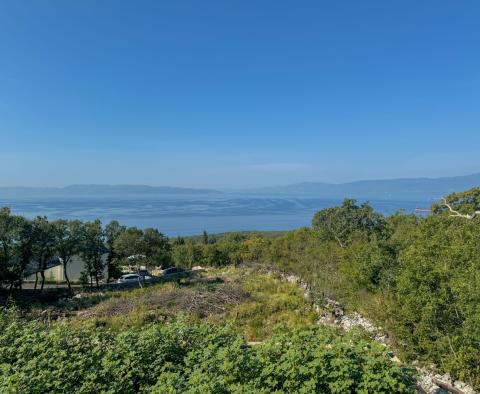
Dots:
pixel 454 213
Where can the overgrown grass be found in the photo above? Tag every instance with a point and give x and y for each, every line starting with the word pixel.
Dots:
pixel 274 306
pixel 255 305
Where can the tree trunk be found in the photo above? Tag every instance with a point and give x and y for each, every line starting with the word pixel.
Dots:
pixel 139 278
pixel 66 276
pixel 109 266
pixel 107 278
pixel 42 274
pixel 36 280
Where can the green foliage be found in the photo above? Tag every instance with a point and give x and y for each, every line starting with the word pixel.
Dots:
pixel 112 232
pixel 189 358
pixel 157 248
pixel 228 251
pixel 43 245
pixel 466 202
pixel 369 265
pixel 16 246
pixel 319 361
pixel 417 277
pixel 93 249
pixel 186 254
pixel 312 255
pixel 272 306
pixel 68 239
pixel 255 304
pixel 149 243
pixel 342 223
pixel 438 303
pixel 129 242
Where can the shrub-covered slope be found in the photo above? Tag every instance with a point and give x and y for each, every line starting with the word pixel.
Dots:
pixel 189 358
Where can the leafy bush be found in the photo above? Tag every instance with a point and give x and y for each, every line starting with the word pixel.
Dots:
pixel 192 358
pixel 416 277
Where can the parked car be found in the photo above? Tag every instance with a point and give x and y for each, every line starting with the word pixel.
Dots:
pixel 132 278
pixel 172 270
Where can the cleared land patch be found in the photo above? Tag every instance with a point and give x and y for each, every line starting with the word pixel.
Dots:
pixel 255 305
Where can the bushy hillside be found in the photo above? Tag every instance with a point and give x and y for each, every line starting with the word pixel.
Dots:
pixel 418 277
pixel 191 338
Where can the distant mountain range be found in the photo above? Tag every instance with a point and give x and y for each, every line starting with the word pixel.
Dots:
pixel 410 188
pixel 407 188
pixel 101 190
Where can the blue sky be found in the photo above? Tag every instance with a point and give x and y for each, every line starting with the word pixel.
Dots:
pixel 237 93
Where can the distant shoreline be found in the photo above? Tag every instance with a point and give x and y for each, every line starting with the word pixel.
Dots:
pixel 191 215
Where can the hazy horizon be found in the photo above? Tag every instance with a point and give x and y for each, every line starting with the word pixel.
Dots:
pixel 223 188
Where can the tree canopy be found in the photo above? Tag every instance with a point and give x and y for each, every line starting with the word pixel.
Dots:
pixel 346 221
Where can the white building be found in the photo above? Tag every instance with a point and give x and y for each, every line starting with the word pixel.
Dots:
pixel 74 270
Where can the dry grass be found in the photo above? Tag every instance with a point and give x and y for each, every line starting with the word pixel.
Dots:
pixel 255 304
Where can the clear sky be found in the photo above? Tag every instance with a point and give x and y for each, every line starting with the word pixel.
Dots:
pixel 237 93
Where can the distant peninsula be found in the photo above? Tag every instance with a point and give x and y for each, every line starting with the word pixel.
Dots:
pixel 408 188
pixel 404 188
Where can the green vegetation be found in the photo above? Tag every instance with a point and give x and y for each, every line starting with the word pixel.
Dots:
pixel 31 246
pixel 189 358
pixel 417 277
pixel 254 304
pixel 189 337
pixel 272 306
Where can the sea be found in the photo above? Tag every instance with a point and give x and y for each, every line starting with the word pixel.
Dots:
pixel 180 215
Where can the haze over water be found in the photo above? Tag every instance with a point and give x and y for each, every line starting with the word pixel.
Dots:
pixel 187 215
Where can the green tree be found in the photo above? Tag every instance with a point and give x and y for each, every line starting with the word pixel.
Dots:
pixel 68 239
pixel 254 249
pixel 463 204
pixel 344 222
pixel 112 232
pixel 205 237
pixel 213 255
pixel 157 248
pixel 187 255
pixel 16 247
pixel 178 241
pixel 129 243
pixel 93 250
pixel 43 246
pixel 152 245
pixel 438 303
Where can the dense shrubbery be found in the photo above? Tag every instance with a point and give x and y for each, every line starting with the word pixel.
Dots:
pixel 417 277
pixel 190 358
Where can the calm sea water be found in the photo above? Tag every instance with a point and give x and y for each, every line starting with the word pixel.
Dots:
pixel 180 215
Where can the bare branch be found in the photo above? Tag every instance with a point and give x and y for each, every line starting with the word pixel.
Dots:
pixel 458 214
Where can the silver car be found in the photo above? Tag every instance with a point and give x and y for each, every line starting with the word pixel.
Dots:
pixel 132 278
